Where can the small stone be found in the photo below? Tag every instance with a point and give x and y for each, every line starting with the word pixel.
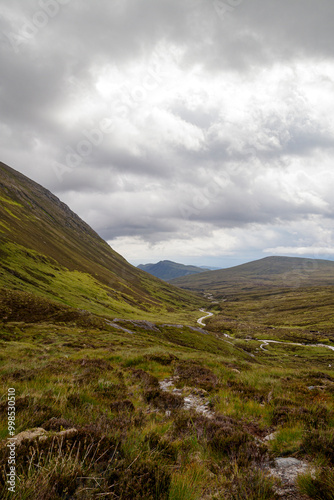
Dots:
pixel 284 463
pixel 270 437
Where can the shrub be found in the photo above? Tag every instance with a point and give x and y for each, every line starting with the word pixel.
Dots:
pixel 320 443
pixel 123 405
pixel 140 480
pixel 196 375
pixel 252 485
pixel 56 424
pixel 225 436
pixel 320 487
pixel 246 391
pixel 146 379
pixel 50 468
pixel 162 446
pixel 162 359
pixel 315 417
pixel 163 400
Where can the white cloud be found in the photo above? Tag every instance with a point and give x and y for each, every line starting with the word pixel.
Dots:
pixel 325 252
pixel 220 135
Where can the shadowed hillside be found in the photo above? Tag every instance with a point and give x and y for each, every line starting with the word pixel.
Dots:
pixel 167 270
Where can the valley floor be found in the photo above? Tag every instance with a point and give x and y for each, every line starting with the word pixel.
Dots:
pixel 135 409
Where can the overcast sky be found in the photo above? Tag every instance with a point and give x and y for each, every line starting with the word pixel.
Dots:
pixel 200 131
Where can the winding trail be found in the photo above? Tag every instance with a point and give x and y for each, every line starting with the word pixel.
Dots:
pixel 263 343
pixel 267 342
pixel 200 320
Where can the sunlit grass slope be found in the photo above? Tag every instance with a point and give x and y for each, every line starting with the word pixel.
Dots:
pixel 46 249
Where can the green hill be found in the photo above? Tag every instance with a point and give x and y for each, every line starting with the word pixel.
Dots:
pixel 47 250
pixel 167 270
pixel 268 273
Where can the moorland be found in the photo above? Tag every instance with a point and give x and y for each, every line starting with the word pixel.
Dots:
pixel 121 394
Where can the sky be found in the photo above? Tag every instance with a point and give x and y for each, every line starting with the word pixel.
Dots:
pixel 199 131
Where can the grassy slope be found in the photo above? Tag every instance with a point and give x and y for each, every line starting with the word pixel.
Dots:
pixel 268 273
pixel 46 249
pixel 71 369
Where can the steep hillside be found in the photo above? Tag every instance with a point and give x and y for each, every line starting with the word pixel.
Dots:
pixel 167 270
pixel 47 250
pixel 268 273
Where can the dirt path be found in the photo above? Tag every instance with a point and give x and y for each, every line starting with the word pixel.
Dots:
pixel 267 342
pixel 200 320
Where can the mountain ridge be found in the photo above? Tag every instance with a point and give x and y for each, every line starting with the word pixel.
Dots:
pixel 47 249
pixel 168 270
pixel 271 271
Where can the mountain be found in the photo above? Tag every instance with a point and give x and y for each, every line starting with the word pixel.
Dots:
pixel 100 397
pixel 167 270
pixel 270 272
pixel 48 251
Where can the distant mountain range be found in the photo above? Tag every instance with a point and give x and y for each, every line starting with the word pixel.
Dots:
pixel 268 273
pixel 46 250
pixel 167 270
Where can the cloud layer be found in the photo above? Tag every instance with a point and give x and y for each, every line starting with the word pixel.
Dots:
pixel 199 131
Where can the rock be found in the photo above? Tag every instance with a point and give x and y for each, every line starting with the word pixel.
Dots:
pixel 166 384
pixel 287 469
pixel 197 404
pixel 35 433
pixel 196 329
pixel 66 433
pixel 146 325
pixel 283 463
pixel 177 391
pixel 174 326
pixel 40 434
pixel 118 327
pixel 270 437
pixel 195 400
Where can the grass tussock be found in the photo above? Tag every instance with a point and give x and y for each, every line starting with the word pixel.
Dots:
pixel 318 487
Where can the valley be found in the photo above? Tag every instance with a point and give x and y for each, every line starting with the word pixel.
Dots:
pixel 217 386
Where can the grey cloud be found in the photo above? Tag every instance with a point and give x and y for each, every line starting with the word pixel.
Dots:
pixel 262 32
pixel 54 72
